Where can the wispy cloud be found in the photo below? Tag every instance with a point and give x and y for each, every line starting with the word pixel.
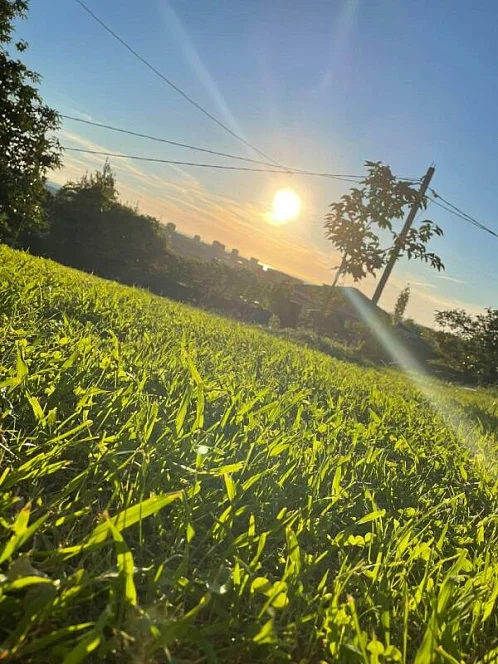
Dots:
pixel 422 284
pixel 427 303
pixel 72 139
pixel 452 279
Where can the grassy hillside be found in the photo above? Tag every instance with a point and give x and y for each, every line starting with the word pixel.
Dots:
pixel 178 487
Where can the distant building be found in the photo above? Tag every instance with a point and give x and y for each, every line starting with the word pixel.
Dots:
pixel 195 247
pixel 218 249
pixel 254 264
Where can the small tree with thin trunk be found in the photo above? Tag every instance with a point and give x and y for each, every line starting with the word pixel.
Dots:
pixel 361 225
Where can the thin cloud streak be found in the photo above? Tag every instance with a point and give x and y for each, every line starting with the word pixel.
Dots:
pixel 422 284
pixel 445 277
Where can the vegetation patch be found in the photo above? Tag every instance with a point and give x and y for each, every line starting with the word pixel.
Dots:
pixel 176 487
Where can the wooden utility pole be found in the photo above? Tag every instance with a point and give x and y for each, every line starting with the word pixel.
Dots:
pixel 402 236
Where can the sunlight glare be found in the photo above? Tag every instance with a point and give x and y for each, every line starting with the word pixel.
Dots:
pixel 286 205
pixel 466 431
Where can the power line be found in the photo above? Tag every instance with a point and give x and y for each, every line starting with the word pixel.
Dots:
pixel 285 169
pixel 452 209
pixel 172 85
pixel 164 140
pixel 199 149
pixel 464 218
pixel 199 107
pixel 436 195
pixel 468 266
pixel 460 213
pixel 343 178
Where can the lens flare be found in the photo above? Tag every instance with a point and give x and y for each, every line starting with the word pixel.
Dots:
pixel 464 429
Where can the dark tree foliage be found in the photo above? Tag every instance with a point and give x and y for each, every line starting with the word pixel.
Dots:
pixel 27 150
pixel 469 344
pixel 361 224
pixel 91 230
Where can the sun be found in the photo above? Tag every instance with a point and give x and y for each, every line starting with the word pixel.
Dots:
pixel 286 205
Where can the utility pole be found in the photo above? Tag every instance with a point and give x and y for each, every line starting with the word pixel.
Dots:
pixel 402 236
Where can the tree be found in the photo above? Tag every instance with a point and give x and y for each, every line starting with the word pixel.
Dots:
pixel 401 304
pixel 77 233
pixel 469 344
pixel 328 299
pixel 356 223
pixel 26 149
pixel 91 230
pixel 281 304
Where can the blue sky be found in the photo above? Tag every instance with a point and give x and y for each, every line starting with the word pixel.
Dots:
pixel 323 85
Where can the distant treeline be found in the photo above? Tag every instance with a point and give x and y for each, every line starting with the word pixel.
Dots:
pixel 87 227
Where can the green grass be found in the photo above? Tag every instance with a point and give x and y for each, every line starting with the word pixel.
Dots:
pixel 178 487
